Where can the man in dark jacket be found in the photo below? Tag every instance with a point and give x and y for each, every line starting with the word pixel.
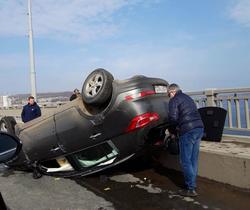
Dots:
pixel 76 92
pixel 31 110
pixel 185 116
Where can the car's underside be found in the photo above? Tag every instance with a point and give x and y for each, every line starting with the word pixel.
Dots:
pixel 108 123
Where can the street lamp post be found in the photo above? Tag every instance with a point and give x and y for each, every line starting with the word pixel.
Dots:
pixel 31 53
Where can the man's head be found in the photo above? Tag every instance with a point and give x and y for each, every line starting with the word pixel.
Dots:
pixel 76 91
pixel 31 100
pixel 173 89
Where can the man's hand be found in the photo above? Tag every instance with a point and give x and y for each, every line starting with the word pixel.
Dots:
pixel 172 136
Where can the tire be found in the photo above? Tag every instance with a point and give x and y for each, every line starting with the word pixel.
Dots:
pixel 7 124
pixel 97 88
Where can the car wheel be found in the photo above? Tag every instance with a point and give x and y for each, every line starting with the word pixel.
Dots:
pixel 7 124
pixel 97 88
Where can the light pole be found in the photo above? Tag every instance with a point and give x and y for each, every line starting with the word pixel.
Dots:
pixel 31 53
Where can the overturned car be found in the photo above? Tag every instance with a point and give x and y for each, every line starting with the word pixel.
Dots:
pixel 108 123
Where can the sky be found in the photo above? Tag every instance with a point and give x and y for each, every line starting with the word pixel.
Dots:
pixel 198 44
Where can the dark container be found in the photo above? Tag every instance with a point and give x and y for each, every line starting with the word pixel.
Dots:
pixel 213 119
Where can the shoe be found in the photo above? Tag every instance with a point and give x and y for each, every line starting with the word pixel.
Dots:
pixel 188 193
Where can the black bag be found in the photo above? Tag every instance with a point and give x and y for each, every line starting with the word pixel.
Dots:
pixel 172 145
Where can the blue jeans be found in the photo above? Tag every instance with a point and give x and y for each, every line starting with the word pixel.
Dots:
pixel 189 154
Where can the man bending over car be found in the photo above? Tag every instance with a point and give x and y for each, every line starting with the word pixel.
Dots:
pixel 184 115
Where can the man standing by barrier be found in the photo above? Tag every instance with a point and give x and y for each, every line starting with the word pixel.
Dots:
pixel 185 116
pixel 76 92
pixel 31 110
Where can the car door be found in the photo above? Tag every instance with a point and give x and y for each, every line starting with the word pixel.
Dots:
pixel 74 130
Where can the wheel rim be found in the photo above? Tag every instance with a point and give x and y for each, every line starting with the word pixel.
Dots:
pixel 3 127
pixel 94 85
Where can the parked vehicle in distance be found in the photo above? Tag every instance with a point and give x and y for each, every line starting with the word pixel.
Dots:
pixel 108 123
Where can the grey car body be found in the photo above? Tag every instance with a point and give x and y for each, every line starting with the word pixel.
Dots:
pixel 81 138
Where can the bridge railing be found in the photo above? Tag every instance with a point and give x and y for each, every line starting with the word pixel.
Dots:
pixel 235 101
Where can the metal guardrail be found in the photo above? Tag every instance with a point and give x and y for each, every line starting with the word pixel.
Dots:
pixel 15 111
pixel 235 101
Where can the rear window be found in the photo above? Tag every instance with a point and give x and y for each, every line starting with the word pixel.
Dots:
pixel 99 154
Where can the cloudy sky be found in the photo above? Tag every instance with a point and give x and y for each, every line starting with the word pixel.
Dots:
pixel 198 44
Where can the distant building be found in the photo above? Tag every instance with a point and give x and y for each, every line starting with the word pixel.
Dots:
pixel 5 101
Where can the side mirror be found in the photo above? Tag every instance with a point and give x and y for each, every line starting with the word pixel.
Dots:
pixel 9 146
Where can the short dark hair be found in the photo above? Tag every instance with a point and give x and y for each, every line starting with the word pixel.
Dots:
pixel 76 91
pixel 31 97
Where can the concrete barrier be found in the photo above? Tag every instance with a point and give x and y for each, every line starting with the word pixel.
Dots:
pixel 16 113
pixel 226 162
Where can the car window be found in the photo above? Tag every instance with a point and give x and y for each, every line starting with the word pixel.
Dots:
pixel 60 164
pixel 96 155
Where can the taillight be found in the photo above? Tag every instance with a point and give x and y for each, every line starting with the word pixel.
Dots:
pixel 139 95
pixel 142 120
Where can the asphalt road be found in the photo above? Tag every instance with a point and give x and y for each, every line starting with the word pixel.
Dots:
pixel 21 192
pixel 137 184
